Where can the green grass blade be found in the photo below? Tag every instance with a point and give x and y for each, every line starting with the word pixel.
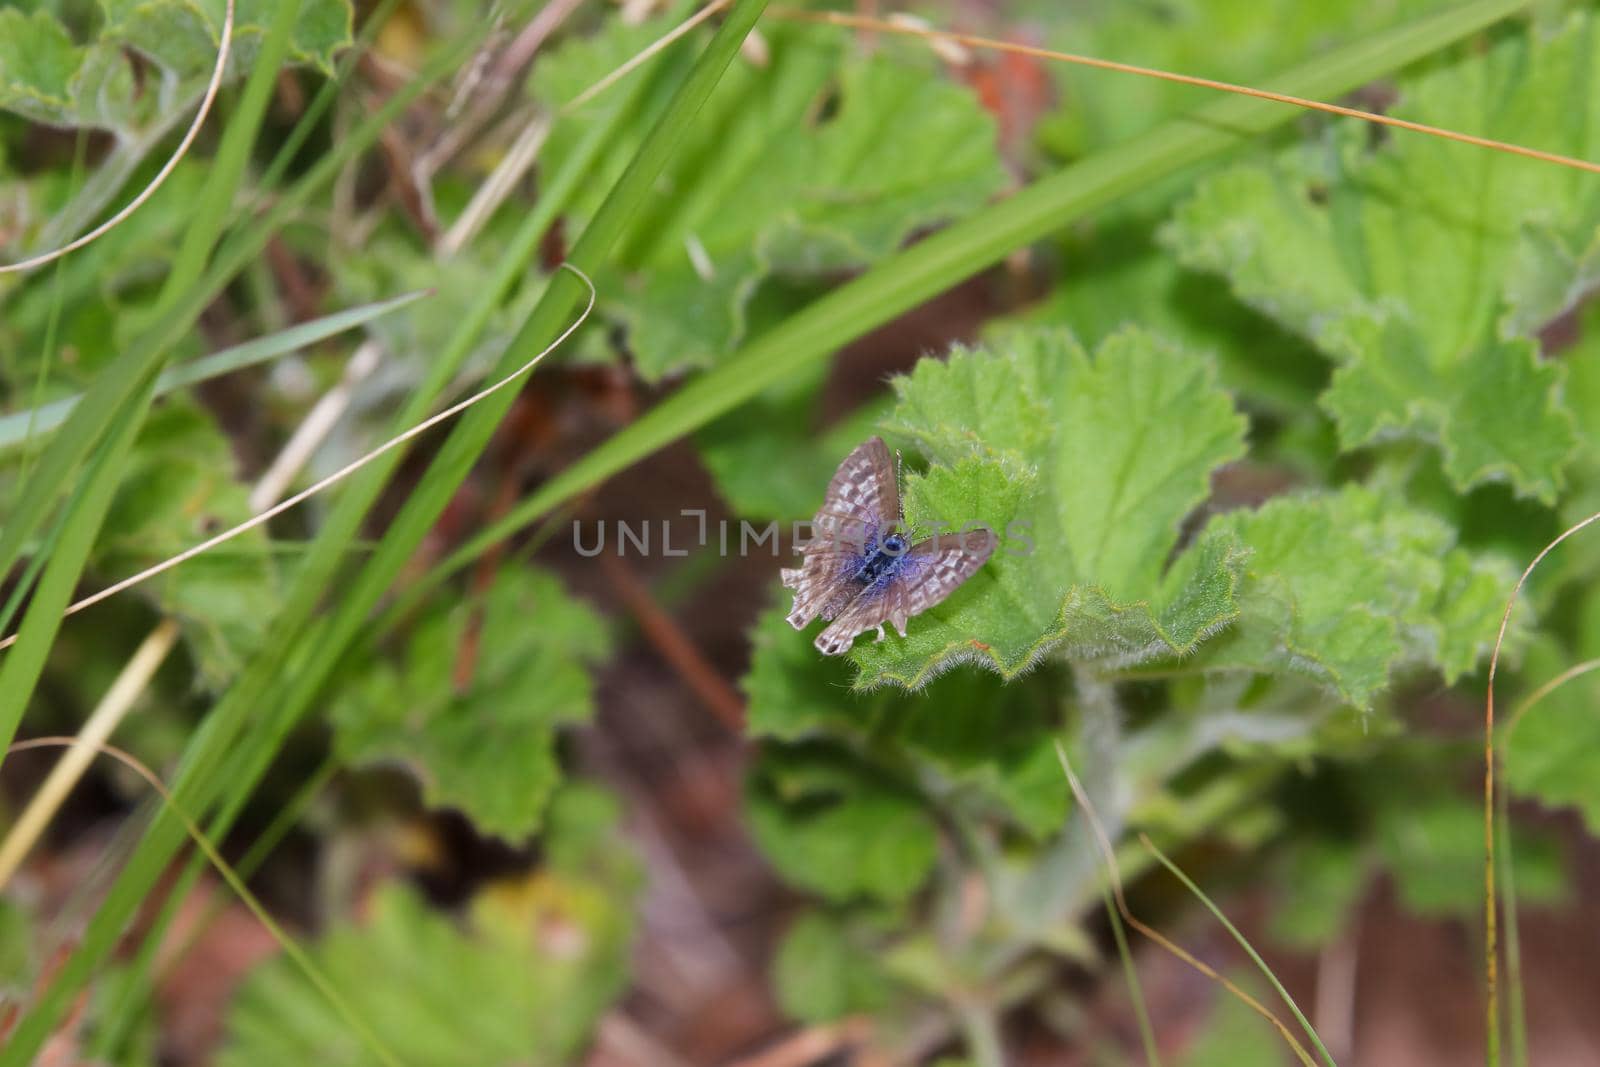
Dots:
pixel 52 326
pixel 233 155
pixel 107 926
pixel 1141 1012
pixel 960 251
pixel 199 778
pixel 342 526
pixel 24 582
pixel 559 302
pixel 25 661
pixel 84 427
pixel 459 452
pixel 15 428
pixel 1305 1024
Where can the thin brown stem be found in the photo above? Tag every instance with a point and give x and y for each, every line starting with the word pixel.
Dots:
pixel 674 646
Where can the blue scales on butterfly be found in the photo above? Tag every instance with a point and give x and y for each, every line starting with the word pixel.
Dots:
pixel 860 570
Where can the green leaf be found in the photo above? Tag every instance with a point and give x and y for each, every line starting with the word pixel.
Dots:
pixel 1115 274
pixel 793 693
pixel 1556 265
pixel 182 35
pixel 929 266
pixel 835 827
pixel 47 77
pixel 982 746
pixel 1345 587
pixel 1434 848
pixel 1085 466
pixel 39 65
pixel 1472 598
pixel 1496 417
pixel 1240 41
pixel 522 981
pixel 1329 241
pixel 1552 753
pixel 827 969
pixel 817 162
pixel 180 489
pixel 488 750
pixel 1011 764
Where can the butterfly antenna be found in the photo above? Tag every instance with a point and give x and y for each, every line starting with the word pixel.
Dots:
pixel 900 485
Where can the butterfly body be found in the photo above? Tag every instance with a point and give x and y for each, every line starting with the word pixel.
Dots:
pixel 860 570
pixel 882 563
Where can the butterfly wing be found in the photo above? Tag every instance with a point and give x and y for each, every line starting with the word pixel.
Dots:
pixel 932 570
pixel 937 566
pixel 862 500
pixel 868 610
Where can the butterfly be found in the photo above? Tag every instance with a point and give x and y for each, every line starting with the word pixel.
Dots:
pixel 860 569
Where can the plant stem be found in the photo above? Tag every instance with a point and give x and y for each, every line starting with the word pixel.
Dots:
pixel 982 1032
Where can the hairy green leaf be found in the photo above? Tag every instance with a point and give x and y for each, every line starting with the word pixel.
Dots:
pixel 1345 587
pixel 1085 466
pixel 48 77
pixel 44 74
pixel 182 35
pixel 1116 274
pixel 489 749
pixel 835 827
pixel 1424 296
pixel 179 490
pixel 982 746
pixel 520 982
pixel 817 162
pixel 825 970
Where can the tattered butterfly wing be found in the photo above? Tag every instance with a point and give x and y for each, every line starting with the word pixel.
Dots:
pixel 938 565
pixel 863 497
pixel 862 501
